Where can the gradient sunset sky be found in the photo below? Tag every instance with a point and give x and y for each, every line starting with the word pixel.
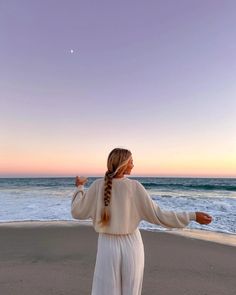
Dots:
pixel 79 78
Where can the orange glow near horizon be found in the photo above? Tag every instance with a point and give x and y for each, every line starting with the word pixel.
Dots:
pixel 68 165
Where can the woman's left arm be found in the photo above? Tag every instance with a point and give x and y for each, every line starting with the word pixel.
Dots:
pixel 151 212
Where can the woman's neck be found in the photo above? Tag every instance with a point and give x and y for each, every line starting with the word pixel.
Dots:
pixel 119 176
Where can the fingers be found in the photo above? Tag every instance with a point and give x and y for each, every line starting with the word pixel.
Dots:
pixel 76 180
pixel 206 220
pixel 80 180
pixel 203 218
pixel 207 216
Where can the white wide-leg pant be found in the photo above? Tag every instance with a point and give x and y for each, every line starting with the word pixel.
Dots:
pixel 119 265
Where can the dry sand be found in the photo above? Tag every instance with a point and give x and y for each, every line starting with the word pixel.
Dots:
pixel 57 258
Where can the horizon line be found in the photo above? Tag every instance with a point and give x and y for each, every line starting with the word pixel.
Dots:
pixel 128 176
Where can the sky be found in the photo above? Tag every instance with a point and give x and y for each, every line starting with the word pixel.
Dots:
pixel 79 78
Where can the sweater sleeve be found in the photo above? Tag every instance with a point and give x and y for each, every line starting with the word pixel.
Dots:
pixel 151 212
pixel 82 203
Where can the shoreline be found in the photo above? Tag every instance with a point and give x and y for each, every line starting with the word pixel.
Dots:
pixel 209 236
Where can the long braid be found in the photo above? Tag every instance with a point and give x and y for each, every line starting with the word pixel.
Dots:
pixel 107 189
pixel 107 199
pixel 117 161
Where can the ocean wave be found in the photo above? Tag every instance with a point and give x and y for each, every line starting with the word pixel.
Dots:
pixel 208 187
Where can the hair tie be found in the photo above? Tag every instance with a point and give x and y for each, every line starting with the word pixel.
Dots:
pixel 110 174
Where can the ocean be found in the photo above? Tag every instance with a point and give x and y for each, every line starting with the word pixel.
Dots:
pixel 48 199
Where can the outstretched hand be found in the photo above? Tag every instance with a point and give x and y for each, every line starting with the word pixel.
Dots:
pixel 80 180
pixel 203 218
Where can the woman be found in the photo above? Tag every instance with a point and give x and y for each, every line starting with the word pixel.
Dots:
pixel 116 205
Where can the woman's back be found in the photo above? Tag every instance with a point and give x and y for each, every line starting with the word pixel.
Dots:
pixel 123 211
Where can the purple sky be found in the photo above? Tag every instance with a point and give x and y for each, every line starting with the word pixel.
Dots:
pixel 155 76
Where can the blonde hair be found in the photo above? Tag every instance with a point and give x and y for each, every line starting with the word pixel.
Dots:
pixel 116 164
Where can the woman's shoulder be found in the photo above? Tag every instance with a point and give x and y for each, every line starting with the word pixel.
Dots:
pixel 133 182
pixel 137 185
pixel 94 183
pixel 98 181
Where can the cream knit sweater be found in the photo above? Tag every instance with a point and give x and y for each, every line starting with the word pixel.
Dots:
pixel 130 203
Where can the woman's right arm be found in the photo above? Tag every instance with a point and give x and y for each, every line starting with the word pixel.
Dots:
pixel 83 203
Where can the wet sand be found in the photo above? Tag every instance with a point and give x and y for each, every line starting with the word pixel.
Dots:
pixel 58 258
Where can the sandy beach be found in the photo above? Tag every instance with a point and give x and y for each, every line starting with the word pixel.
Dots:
pixel 47 258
